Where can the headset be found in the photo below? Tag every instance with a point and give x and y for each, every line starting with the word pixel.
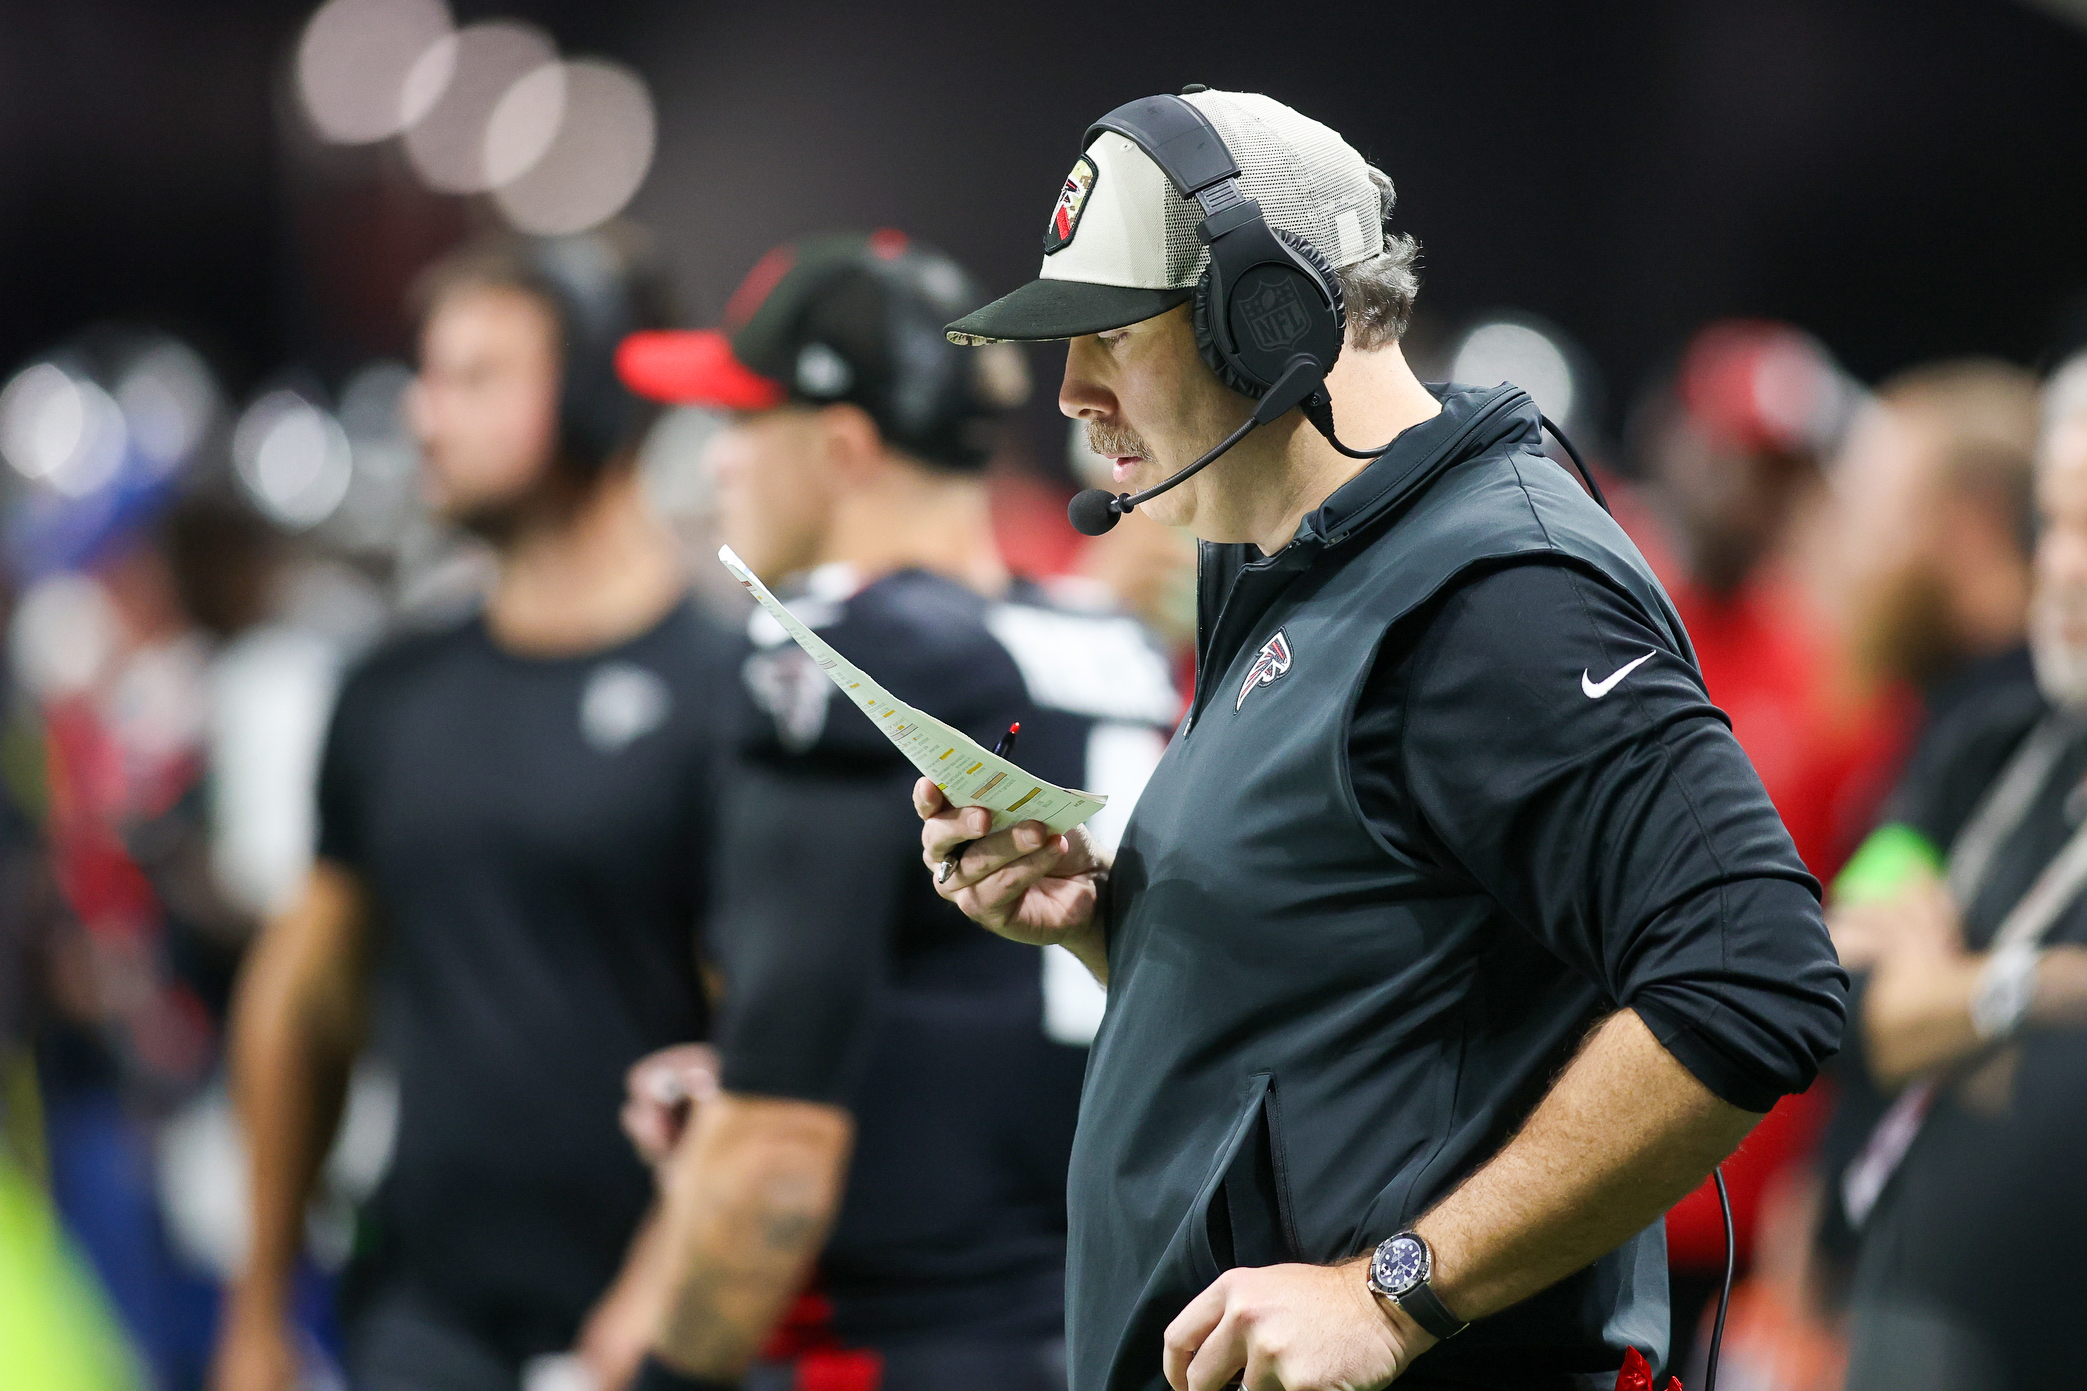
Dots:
pixel 599 298
pixel 1268 314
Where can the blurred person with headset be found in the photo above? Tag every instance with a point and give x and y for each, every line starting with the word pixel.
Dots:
pixel 508 882
pixel 1454 938
pixel 892 1101
pixel 1966 918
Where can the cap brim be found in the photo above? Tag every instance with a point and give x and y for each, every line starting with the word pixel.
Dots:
pixel 1046 309
pixel 693 368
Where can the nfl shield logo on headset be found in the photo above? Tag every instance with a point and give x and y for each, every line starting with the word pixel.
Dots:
pixel 1270 662
pixel 1275 316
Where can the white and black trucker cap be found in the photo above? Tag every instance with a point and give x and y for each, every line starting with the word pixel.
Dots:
pixel 1121 244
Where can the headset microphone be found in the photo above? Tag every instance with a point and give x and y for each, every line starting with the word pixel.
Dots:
pixel 1095 510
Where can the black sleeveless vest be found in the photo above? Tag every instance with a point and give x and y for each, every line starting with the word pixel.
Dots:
pixel 1300 1052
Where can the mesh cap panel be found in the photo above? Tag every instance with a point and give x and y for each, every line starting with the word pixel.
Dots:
pixel 1307 179
pixel 1123 248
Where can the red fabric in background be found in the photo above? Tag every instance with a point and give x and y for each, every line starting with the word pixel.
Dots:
pixel 1029 524
pixel 1695 1225
pixel 1825 755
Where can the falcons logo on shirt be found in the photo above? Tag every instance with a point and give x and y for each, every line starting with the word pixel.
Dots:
pixel 1270 662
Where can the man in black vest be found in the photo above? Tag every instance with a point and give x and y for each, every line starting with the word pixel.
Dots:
pixel 1454 938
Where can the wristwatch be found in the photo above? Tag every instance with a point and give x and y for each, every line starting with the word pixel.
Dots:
pixel 2005 989
pixel 1399 1272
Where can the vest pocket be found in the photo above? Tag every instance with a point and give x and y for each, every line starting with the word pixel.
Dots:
pixel 1242 1216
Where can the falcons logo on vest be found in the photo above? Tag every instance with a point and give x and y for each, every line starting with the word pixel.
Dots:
pixel 1270 662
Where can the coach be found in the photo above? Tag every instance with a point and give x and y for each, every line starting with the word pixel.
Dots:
pixel 1454 939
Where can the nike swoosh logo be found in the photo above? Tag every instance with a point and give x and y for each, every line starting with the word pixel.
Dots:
pixel 1597 689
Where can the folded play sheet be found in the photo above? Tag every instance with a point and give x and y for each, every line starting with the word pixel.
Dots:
pixel 968 774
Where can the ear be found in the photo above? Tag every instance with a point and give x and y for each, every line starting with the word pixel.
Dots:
pixel 854 445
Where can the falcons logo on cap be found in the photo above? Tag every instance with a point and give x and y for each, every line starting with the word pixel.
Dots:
pixel 1270 662
pixel 1072 201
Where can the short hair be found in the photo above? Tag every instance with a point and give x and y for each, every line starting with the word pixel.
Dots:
pixel 621 256
pixel 594 287
pixel 1982 414
pixel 1377 292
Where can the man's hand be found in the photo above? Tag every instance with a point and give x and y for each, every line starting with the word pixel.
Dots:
pixel 1291 1328
pixel 1918 922
pixel 661 1091
pixel 1023 883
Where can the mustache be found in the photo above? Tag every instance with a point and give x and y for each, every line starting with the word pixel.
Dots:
pixel 1113 441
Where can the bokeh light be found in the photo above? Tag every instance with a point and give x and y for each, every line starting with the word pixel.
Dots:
pixel 383 489
pixel 353 62
pixel 524 123
pixel 61 429
pixel 63 635
pixel 1507 350
pixel 293 458
pixel 470 70
pixel 169 399
pixel 598 155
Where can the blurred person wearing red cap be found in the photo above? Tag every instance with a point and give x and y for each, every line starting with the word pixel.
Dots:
pixel 1735 452
pixel 507 889
pixel 1970 939
pixel 893 1100
pixel 1454 938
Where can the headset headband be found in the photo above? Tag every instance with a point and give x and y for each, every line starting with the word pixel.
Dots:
pixel 1180 139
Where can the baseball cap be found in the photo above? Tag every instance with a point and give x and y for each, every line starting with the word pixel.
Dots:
pixel 1121 242
pixel 853 317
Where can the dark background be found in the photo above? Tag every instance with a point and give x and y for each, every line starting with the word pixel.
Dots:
pixel 1903 177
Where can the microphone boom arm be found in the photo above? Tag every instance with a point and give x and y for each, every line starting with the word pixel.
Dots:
pixel 1094 511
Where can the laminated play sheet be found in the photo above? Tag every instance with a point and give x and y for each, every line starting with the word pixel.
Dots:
pixel 969 774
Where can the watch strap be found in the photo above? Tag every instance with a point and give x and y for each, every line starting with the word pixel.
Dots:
pixel 1418 1300
pixel 1427 1309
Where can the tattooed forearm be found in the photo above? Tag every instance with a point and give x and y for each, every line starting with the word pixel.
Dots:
pixel 750 1197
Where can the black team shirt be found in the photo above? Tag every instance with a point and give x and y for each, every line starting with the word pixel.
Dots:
pixel 849 982
pixel 532 834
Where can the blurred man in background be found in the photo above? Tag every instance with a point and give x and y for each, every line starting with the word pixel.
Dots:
pixel 897 1091
pixel 1974 1009
pixel 1916 565
pixel 1932 524
pixel 1932 534
pixel 509 809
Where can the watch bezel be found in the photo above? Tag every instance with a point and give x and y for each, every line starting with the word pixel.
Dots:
pixel 1380 1261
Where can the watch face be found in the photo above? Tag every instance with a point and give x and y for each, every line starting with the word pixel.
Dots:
pixel 1400 1264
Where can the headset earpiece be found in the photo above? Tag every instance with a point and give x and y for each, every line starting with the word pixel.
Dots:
pixel 1247 367
pixel 1206 343
pixel 598 303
